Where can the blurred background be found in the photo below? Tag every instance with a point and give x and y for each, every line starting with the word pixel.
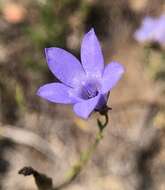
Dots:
pixel 49 137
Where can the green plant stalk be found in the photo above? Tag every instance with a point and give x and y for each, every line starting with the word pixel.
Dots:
pixel 84 157
pixel 44 182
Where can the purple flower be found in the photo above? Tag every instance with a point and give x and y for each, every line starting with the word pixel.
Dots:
pixel 85 86
pixel 152 30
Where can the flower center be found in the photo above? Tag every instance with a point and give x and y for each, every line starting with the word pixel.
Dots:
pixel 89 90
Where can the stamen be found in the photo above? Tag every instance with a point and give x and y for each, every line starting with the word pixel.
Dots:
pixel 89 90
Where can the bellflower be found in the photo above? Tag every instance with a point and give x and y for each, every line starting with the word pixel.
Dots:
pixel 85 85
pixel 151 30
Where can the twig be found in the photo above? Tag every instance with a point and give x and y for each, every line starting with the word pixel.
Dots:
pixel 43 182
pixel 27 138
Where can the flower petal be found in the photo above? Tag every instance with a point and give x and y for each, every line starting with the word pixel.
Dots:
pixel 85 107
pixel 64 66
pixel 147 30
pixel 111 76
pixel 55 92
pixel 91 54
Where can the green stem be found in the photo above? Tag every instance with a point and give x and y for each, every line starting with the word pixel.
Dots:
pixel 84 157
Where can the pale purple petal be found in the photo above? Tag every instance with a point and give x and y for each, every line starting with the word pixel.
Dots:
pixel 160 31
pixel 55 92
pixel 111 76
pixel 91 55
pixel 64 66
pixel 152 30
pixel 147 29
pixel 84 108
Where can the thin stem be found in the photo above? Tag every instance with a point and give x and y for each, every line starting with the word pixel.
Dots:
pixel 85 156
pixel 43 182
